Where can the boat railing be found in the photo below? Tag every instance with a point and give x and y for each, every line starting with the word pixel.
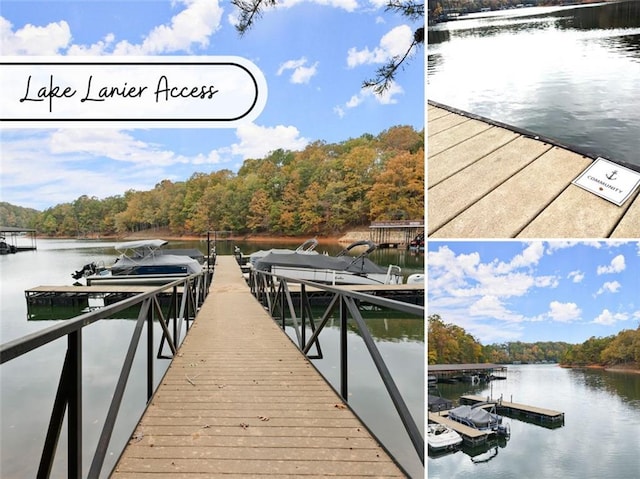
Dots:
pixel 186 296
pixel 274 293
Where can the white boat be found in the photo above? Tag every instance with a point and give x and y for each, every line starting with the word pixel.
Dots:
pixel 307 247
pixel 441 437
pixel 334 270
pixel 143 262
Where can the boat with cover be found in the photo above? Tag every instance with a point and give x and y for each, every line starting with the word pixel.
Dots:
pixel 146 261
pixel 307 247
pixel 335 270
pixel 441 437
pixel 478 417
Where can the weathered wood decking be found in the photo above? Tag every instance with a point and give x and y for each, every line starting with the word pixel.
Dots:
pixel 533 411
pixel 485 181
pixel 240 400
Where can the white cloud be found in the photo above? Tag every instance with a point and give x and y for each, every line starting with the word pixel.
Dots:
pixel 34 40
pixel 490 306
pixel 386 98
pixel 563 312
pixel 348 5
pixel 608 318
pixel 192 26
pixel 301 72
pixel 530 256
pixel 616 266
pixel 258 141
pixel 577 276
pixel 394 43
pixel 609 287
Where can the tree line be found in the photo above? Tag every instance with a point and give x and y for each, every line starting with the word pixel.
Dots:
pixel 623 348
pixel 451 344
pixel 320 190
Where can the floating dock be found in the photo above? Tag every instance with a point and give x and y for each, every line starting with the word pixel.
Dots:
pixel 464 372
pixel 489 180
pixel 516 410
pixel 408 293
pixel 470 436
pixel 240 400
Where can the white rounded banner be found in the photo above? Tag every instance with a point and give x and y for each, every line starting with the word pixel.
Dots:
pixel 190 91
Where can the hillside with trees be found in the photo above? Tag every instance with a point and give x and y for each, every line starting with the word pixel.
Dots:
pixel 17 216
pixel 610 351
pixel 451 344
pixel 324 189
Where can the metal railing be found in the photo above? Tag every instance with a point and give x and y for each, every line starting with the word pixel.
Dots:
pixel 186 296
pixel 274 292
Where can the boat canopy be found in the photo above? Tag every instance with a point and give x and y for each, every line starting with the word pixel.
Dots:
pixel 356 265
pixel 150 244
pixel 480 417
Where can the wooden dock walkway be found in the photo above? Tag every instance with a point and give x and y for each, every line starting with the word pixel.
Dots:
pixel 469 435
pixel 486 181
pixel 534 412
pixel 241 401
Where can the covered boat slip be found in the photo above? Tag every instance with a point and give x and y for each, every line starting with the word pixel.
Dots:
pixel 488 181
pixel 240 400
pixel 470 436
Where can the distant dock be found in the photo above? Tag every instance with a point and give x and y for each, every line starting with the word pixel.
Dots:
pixel 516 410
pixel 11 240
pixel 489 180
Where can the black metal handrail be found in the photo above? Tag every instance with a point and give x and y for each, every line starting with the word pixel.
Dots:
pixel 274 292
pixel 182 309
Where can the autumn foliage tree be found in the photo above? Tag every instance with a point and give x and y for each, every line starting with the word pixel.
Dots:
pixel 323 189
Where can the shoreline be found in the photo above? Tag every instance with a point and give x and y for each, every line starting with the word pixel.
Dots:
pixel 621 368
pixel 346 237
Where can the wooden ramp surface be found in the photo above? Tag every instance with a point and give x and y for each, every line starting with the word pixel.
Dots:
pixel 240 401
pixel 550 413
pixel 470 432
pixel 485 181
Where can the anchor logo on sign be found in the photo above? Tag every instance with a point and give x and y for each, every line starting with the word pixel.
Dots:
pixel 612 175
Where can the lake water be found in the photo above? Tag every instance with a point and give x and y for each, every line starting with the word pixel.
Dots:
pixel 567 73
pixel 600 437
pixel 28 384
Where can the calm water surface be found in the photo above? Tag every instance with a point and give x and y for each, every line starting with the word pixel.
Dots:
pixel 600 437
pixel 28 384
pixel 567 73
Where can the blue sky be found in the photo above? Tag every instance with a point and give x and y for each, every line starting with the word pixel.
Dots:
pixel 502 291
pixel 315 54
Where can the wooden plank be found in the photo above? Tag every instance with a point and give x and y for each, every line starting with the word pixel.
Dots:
pixel 442 140
pixel 446 163
pixel 456 426
pixel 518 406
pixel 471 195
pixel 433 113
pixel 240 400
pixel 91 289
pixel 479 179
pixel 507 210
pixel 445 122
pixel 629 225
pixel 582 214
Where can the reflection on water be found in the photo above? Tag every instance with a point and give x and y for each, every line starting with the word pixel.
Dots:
pixel 568 73
pixel 599 438
pixel 28 384
pixel 624 385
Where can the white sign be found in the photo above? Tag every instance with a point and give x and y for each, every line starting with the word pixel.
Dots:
pixel 608 180
pixel 201 92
